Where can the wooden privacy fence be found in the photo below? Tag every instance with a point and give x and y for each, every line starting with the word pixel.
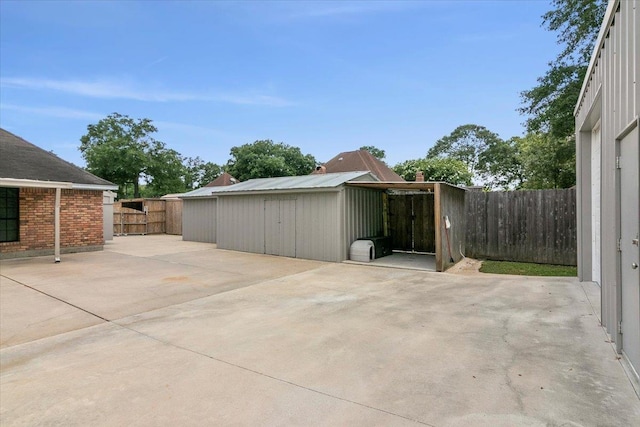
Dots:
pixel 526 226
pixel 147 216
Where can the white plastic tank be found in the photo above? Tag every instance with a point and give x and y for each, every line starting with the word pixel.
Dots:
pixel 362 250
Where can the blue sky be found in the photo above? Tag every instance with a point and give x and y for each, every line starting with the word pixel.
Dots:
pixel 324 76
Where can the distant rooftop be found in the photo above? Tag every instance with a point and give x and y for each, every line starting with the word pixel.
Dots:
pixel 223 180
pixel 360 160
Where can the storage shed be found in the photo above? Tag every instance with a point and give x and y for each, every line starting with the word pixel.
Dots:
pixel 313 217
pixel 607 139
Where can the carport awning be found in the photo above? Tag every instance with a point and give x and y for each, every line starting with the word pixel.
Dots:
pixel 386 185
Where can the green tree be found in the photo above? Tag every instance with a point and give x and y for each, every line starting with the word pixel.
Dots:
pixel 264 159
pixel 446 169
pixel 210 171
pixel 165 172
pixel 547 161
pixel 378 153
pixel 199 173
pixel 491 160
pixel 549 105
pixel 500 165
pixel 124 151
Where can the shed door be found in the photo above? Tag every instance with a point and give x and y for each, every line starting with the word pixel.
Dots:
pixel 629 252
pixel 280 227
pixel 596 151
pixel 424 232
pixel 411 222
pixel 401 222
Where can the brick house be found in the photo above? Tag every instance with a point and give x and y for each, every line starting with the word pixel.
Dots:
pixel 47 205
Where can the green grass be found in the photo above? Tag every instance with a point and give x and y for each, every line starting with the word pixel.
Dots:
pixel 527 269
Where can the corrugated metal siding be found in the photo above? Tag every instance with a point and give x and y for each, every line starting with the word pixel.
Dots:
pixel 611 94
pixel 280 227
pixel 318 226
pixel 363 215
pixel 199 220
pixel 241 224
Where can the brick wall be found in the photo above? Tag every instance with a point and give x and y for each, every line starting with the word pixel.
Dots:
pixel 80 221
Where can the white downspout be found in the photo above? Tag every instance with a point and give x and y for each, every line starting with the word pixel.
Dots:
pixel 56 226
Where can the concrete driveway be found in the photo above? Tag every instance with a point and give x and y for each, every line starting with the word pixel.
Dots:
pixel 156 331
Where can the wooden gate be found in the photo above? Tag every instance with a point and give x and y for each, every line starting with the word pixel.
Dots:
pixel 140 216
pixel 129 221
pixel 411 222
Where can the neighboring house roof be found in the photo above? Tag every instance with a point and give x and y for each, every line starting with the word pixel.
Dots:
pixel 306 182
pixel 360 160
pixel 223 180
pixel 20 160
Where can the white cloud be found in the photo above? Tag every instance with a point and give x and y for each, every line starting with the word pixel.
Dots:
pixel 98 89
pixel 68 113
pixel 188 128
pixel 105 89
pixel 324 9
pixel 156 62
pixel 271 101
pixel 486 37
pixel 61 112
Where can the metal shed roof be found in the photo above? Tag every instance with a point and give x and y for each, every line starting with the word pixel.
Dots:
pixel 409 185
pixel 306 182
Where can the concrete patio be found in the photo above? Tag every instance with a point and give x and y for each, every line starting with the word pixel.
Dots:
pixel 157 331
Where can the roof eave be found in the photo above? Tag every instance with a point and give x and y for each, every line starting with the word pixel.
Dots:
pixel 33 183
pixel 606 23
pixel 103 187
pixel 266 191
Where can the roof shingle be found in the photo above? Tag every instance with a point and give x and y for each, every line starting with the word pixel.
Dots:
pixel 223 180
pixel 20 159
pixel 360 160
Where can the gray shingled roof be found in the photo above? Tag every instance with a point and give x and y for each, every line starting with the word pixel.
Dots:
pixel 20 159
pixel 306 182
